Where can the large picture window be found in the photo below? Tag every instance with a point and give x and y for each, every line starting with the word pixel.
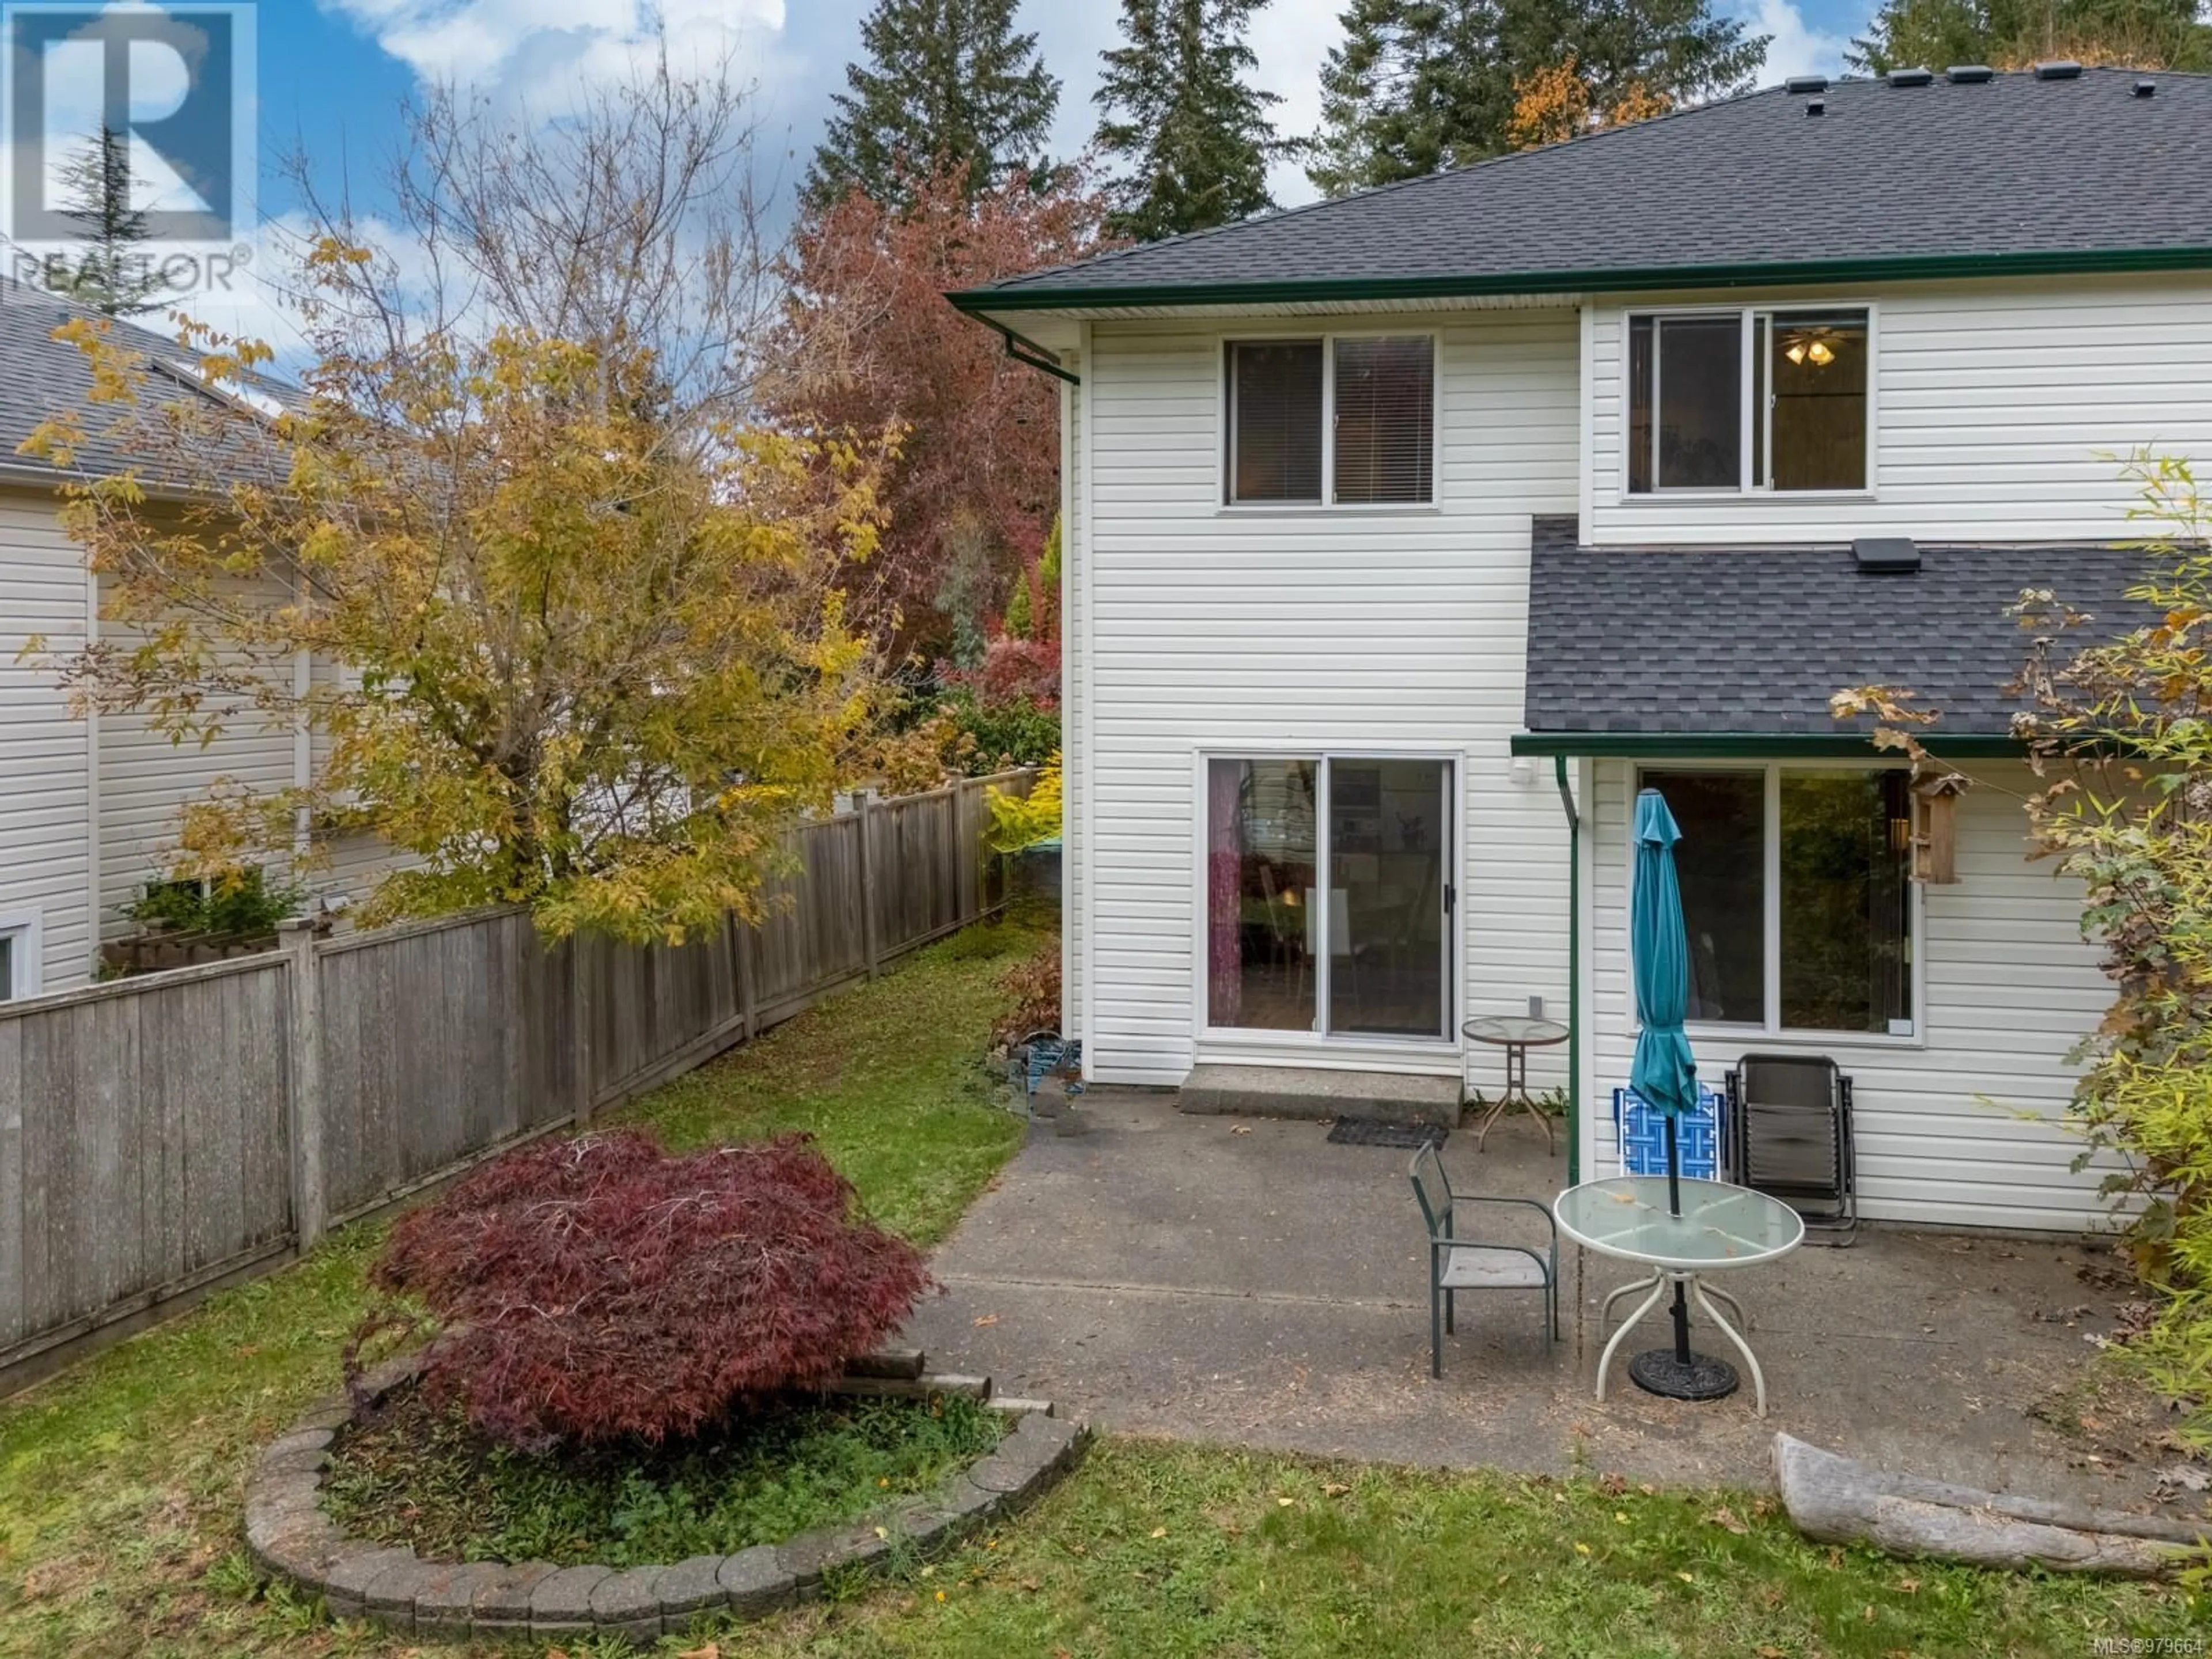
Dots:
pixel 1347 420
pixel 1797 894
pixel 1748 400
pixel 1328 896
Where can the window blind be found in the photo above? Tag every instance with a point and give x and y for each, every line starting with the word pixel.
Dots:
pixel 1275 393
pixel 1386 420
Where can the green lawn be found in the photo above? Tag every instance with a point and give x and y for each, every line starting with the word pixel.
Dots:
pixel 120 1482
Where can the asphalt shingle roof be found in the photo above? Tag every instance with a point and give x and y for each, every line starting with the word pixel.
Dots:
pixel 44 377
pixel 1708 641
pixel 2014 167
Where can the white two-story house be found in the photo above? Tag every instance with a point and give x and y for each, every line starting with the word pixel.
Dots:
pixel 1410 534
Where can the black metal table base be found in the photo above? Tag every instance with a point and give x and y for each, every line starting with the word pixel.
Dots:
pixel 1661 1371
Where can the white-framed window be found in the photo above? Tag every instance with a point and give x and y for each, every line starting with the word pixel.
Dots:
pixel 1330 420
pixel 1798 896
pixel 1751 398
pixel 22 955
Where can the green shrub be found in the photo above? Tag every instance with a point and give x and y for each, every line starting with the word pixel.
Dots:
pixel 1019 732
pixel 239 902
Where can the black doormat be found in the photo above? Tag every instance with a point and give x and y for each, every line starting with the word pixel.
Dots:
pixel 1359 1132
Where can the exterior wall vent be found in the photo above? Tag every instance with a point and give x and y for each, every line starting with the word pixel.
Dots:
pixel 1886 555
pixel 2061 69
pixel 1797 83
pixel 1970 75
pixel 1912 77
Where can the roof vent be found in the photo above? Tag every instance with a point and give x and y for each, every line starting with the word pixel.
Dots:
pixel 2146 88
pixel 1886 555
pixel 1816 106
pixel 1912 77
pixel 1797 83
pixel 1970 75
pixel 2061 69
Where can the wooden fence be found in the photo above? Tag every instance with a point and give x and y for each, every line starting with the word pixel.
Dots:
pixel 163 1135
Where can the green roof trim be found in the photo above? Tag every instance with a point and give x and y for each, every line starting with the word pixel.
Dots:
pixel 1752 745
pixel 1621 279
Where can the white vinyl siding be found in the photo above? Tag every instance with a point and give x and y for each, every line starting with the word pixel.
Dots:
pixel 1998 409
pixel 1396 631
pixel 44 794
pixel 1958 1127
pixel 146 781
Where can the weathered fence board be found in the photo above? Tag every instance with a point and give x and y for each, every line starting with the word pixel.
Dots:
pixel 140 1144
pixel 156 1134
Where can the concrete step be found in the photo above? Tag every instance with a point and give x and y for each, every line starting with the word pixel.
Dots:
pixel 1314 1091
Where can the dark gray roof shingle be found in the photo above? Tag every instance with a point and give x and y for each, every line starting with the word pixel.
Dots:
pixel 2017 166
pixel 1756 640
pixel 44 377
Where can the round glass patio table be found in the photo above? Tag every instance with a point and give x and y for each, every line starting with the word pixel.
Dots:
pixel 1516 1033
pixel 1722 1228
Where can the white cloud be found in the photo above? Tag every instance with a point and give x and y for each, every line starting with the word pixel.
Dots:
pixel 1797 47
pixel 517 45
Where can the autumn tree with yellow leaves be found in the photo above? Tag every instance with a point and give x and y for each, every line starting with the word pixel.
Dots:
pixel 1556 102
pixel 562 628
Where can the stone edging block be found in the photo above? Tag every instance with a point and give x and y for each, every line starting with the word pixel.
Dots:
pixel 290 1536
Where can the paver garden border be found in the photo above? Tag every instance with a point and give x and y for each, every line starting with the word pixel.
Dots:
pixel 292 1538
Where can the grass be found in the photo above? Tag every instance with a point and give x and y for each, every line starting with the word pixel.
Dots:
pixel 120 1482
pixel 1157 1551
pixel 418 1476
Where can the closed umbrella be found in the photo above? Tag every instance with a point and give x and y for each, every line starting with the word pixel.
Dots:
pixel 1664 1072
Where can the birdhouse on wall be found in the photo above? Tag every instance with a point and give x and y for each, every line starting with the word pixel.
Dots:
pixel 1935 828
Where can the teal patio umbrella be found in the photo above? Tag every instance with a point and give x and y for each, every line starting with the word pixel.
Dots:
pixel 1664 1072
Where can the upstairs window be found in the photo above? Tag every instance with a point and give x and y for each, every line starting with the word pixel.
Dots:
pixel 1333 421
pixel 1748 400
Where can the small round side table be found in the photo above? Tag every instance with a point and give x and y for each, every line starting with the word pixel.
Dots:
pixel 1516 1033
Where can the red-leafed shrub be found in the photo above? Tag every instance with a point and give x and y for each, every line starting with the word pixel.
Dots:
pixel 1011 669
pixel 601 1288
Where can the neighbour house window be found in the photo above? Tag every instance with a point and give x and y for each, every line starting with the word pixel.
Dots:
pixel 19 956
pixel 1348 422
pixel 1797 894
pixel 1748 400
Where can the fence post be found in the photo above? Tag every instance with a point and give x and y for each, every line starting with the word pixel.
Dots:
pixel 310 1193
pixel 869 947
pixel 579 1035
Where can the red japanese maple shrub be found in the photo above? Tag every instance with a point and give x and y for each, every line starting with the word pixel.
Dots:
pixel 601 1288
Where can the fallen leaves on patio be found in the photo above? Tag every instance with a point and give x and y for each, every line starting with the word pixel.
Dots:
pixel 1725 1517
pixel 982 1320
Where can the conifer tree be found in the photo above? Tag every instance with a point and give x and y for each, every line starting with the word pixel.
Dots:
pixel 1177 110
pixel 945 81
pixel 1419 86
pixel 111 274
pixel 2013 34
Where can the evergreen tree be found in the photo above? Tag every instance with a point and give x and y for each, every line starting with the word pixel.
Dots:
pixel 1419 86
pixel 111 275
pixel 1176 107
pixel 945 80
pixel 2013 34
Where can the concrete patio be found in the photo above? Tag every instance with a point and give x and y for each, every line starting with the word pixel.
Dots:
pixel 1242 1281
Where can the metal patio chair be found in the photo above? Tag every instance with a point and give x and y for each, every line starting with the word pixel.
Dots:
pixel 1457 1262
pixel 1789 1136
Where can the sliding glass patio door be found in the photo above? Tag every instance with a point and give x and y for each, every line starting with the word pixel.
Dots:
pixel 1329 895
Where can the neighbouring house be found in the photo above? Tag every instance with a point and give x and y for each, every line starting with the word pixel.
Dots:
pixel 89 803
pixel 1409 534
